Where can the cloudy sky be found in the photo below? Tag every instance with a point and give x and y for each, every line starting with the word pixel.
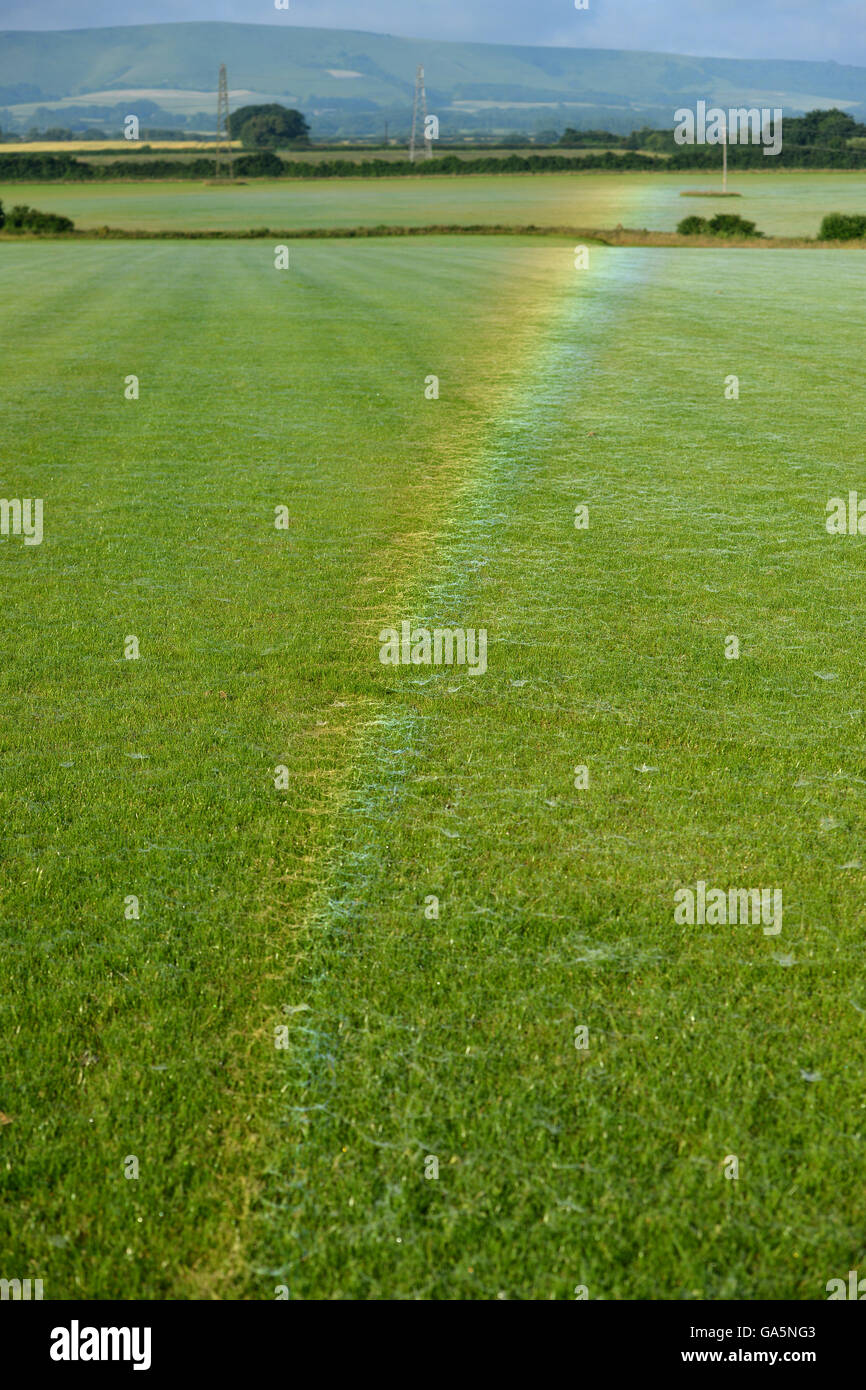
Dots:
pixel 813 29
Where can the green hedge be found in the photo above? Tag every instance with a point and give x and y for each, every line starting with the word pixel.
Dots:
pixel 724 224
pixel 269 165
pixel 842 226
pixel 22 218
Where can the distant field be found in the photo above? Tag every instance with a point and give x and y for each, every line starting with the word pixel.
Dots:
pixel 311 156
pixel 414 1036
pixel 782 203
pixel 87 146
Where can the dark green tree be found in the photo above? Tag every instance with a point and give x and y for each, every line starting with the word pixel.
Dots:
pixel 833 128
pixel 268 127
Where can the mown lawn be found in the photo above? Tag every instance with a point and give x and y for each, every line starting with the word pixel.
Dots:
pixel 453 1038
pixel 155 778
pixel 414 1037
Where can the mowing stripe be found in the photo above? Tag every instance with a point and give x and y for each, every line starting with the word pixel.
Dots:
pixel 579 325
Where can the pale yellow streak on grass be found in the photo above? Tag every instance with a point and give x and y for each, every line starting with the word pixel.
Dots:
pixel 91 146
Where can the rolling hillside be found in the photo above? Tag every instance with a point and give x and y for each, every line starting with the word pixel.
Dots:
pixel 174 66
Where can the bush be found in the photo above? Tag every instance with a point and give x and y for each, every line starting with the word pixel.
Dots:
pixel 724 224
pixel 25 219
pixel 842 226
pixel 729 224
pixel 692 226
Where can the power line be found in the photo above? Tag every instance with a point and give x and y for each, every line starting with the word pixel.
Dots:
pixel 224 138
pixel 420 100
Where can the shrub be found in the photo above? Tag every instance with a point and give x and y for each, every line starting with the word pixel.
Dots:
pixel 842 226
pixel 723 224
pixel 692 226
pixel 24 219
pixel 730 224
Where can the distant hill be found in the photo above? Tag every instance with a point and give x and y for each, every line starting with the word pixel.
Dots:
pixel 336 74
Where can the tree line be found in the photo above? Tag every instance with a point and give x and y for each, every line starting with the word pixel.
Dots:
pixel 819 140
pixel 64 167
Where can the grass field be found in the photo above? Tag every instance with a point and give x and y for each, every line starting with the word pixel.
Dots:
pixel 414 1037
pixel 782 204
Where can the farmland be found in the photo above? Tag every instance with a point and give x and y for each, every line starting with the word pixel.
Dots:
pixel 302 906
pixel 783 203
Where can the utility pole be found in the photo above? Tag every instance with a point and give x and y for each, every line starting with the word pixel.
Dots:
pixel 224 138
pixel 420 100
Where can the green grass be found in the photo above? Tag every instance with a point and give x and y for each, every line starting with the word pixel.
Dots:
pixel 781 203
pixel 155 777
pixel 449 1037
pixel 454 1037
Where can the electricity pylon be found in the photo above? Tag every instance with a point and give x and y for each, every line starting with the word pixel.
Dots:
pixel 420 98
pixel 224 137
